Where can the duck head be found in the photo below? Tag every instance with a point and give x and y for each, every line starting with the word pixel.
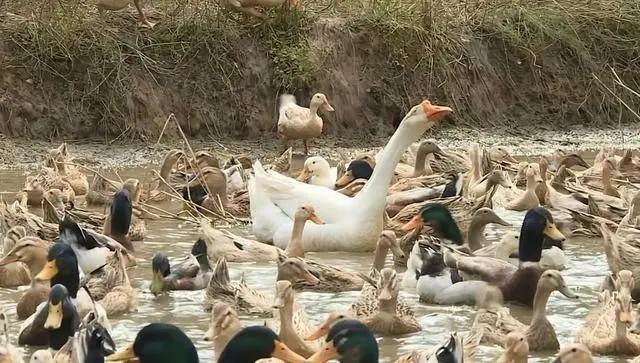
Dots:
pixel 159 343
pixel 624 307
pixel 320 100
pixel 388 241
pixel 438 217
pixel 574 353
pixel 257 342
pixel 330 321
pixel 517 347
pixel 538 223
pixel 314 166
pixel 501 154
pixel 30 251
pixel 204 159
pixel 348 341
pixel 485 216
pixel 388 284
pixel 223 319
pixel 98 342
pixel 357 169
pixel 160 268
pixel 62 268
pixel 551 280
pixel 452 351
pixel 293 269
pixel 59 303
pixel 307 213
pixel 284 294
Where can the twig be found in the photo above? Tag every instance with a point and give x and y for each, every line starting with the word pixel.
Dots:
pixel 616 96
pixel 163 128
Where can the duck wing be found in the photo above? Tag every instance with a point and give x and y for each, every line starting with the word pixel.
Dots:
pixel 189 268
pixel 487 269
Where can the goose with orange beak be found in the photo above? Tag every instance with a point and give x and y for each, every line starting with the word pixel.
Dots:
pixel 352 224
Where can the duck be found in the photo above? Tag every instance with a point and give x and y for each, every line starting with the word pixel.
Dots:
pixel 621 252
pixel 475 235
pixel 58 159
pixel 61 268
pixel 158 343
pixel 388 320
pixel 517 284
pixel 421 166
pixel 212 198
pixel 487 182
pixel 294 323
pixel 523 201
pixel 101 190
pixel 41 356
pixel 8 352
pixel 223 243
pixel 32 252
pixel 91 343
pixel 352 224
pixel 317 171
pixel 54 323
pixel 541 336
pixel 118 221
pixel 163 188
pixel 330 278
pixel 250 7
pixel 241 296
pixel 357 173
pixel 609 336
pixel 194 273
pixel 296 122
pixel 224 325
pixel 13 272
pixel 35 187
pixel 607 172
pixel 516 349
pixel 575 353
pixel 501 154
pixel 254 343
pixel 122 298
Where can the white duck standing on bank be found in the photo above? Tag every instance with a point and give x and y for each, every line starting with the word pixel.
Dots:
pixel 317 171
pixel 352 224
pixel 297 122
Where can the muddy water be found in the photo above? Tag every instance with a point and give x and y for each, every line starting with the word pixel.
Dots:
pixel 586 268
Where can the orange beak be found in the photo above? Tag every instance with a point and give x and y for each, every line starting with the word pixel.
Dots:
pixel 433 112
pixel 315 219
pixel 311 278
pixel 319 333
pixel 305 174
pixel 345 179
pixel 325 354
pixel 281 351
pixel 415 223
pixel 327 106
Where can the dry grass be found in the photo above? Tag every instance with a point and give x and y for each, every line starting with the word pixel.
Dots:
pixel 416 48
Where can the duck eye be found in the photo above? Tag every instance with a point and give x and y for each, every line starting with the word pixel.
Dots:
pixel 340 316
pixel 574 350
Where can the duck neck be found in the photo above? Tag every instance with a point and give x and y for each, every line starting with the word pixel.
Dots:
pixel 379 257
pixel 388 306
pixel 530 245
pixel 313 111
pixel 294 248
pixel 539 307
pixel 165 170
pixel 606 177
pixel 374 192
pixel 419 167
pixel 621 328
pixel 531 184
pixel 286 316
pixel 475 235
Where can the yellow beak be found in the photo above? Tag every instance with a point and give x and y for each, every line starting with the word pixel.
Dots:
pixel 54 318
pixel 551 231
pixel 122 355
pixel 49 271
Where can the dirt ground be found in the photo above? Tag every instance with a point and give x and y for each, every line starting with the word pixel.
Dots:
pixel 27 154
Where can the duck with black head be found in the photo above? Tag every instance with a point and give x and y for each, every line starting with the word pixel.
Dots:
pixel 192 274
pixel 348 341
pixel 357 169
pixel 118 220
pixel 158 343
pixel 257 342
pixel 517 284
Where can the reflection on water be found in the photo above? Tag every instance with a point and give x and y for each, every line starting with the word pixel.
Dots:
pixel 586 268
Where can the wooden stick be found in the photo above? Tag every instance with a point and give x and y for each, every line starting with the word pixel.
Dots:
pixel 163 128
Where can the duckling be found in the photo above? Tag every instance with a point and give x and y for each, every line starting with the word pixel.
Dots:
pixel 254 343
pixel 387 320
pixel 8 353
pixel 296 122
pixel 158 343
pixel 540 333
pixel 12 271
pixel 192 274
pixel 574 353
pixel 32 252
pixel 357 169
pixel 224 325
pixel 516 349
pixel 316 171
pixel 517 284
pixel 242 297
pixel 293 321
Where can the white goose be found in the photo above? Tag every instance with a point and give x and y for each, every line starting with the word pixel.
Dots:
pixel 352 224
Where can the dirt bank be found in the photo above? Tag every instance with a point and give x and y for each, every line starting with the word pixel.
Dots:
pixel 27 154
pixel 66 72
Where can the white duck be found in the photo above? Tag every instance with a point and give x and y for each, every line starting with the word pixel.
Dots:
pixel 317 171
pixel 352 224
pixel 297 122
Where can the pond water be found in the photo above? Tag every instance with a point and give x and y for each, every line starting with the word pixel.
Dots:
pixel 586 268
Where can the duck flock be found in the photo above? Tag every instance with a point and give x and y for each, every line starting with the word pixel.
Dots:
pixel 425 206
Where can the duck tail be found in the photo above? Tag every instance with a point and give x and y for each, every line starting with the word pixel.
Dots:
pixel 286 100
pixel 197 194
pixel 121 211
